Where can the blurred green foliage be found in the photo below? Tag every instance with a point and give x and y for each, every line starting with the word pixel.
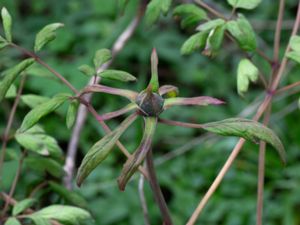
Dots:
pixel 185 177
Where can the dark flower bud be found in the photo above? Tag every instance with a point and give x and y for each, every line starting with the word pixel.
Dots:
pixel 151 104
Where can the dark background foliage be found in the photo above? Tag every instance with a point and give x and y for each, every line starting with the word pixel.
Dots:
pixel 187 160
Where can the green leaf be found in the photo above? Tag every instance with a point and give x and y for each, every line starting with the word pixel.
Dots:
pixel 244 4
pixel 195 42
pixel 33 101
pixel 70 196
pixel 100 150
pixel 294 56
pixel 216 39
pixel 39 220
pixel 63 213
pixel 155 8
pixel 42 110
pixel 72 113
pixel 45 35
pixel 134 161
pixel 102 56
pixel 242 31
pixel 117 75
pixel 212 24
pixel 87 70
pixel 248 129
pixel 246 72
pixel 23 205
pixel 12 221
pixel 295 43
pixel 191 14
pixel 7 23
pixel 44 165
pixel 11 74
pixel 11 92
pixel 36 140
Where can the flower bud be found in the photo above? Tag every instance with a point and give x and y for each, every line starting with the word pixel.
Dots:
pixel 151 104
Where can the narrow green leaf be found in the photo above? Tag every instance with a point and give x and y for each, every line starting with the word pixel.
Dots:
pixel 295 43
pixel 195 42
pixel 248 129
pixel 244 4
pixel 11 74
pixel 7 23
pixel 36 140
pixel 100 150
pixel 71 114
pixel 242 31
pixel 64 214
pixel 12 221
pixel 102 56
pixel 212 24
pixel 117 75
pixel 45 35
pixel 87 70
pixel 246 72
pixel 70 196
pixel 23 205
pixel 134 161
pixel 45 165
pixel 155 8
pixel 191 14
pixel 42 110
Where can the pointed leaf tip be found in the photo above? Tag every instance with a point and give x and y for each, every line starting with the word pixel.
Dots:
pixel 248 129
pixel 134 161
pixel 101 149
pixel 7 23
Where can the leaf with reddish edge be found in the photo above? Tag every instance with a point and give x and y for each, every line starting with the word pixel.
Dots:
pixel 101 149
pixel 248 129
pixel 168 90
pixel 202 100
pixel 134 161
pixel 131 95
pixel 127 108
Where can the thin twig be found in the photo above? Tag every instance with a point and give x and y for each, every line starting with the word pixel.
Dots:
pixel 278 31
pixel 50 69
pixel 261 172
pixel 15 181
pixel 159 198
pixel 210 9
pixel 82 112
pixel 286 88
pixel 37 188
pixel 9 124
pixel 143 199
pixel 216 182
pixel 285 59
